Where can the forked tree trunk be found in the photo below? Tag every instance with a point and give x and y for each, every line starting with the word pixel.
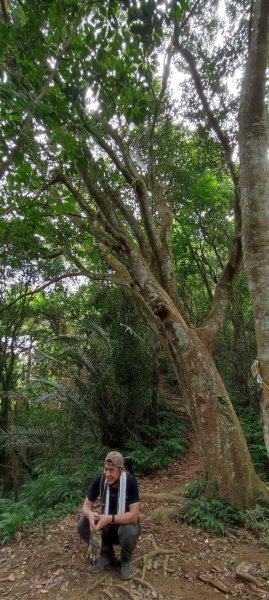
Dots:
pixel 222 443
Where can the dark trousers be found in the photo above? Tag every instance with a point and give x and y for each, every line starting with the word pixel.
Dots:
pixel 124 535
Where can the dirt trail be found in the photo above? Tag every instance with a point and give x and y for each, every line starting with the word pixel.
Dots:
pixel 51 563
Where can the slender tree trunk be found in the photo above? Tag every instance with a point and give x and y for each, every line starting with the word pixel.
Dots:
pixel 15 476
pixel 155 393
pixel 241 354
pixel 4 413
pixel 28 371
pixel 4 417
pixel 254 181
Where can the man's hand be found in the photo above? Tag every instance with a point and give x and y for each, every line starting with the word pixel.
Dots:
pixel 102 521
pixel 93 519
pixel 94 547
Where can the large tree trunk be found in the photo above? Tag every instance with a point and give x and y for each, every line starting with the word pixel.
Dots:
pixel 225 452
pixel 254 181
pixel 222 443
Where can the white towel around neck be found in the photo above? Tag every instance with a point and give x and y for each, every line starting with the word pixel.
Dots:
pixel 121 495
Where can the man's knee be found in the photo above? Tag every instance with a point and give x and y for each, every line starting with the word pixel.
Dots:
pixel 128 534
pixel 108 539
pixel 84 529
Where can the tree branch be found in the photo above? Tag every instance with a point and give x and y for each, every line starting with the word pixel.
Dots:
pixel 133 293
pixel 91 274
pixel 130 168
pixel 96 217
pixel 158 248
pixel 126 171
pixel 27 123
pixel 222 298
pixel 61 178
pixel 222 137
pixel 108 214
pixel 5 15
pixel 41 288
pixel 166 72
pixel 181 25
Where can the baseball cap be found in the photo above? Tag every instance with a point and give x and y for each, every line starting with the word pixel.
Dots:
pixel 114 459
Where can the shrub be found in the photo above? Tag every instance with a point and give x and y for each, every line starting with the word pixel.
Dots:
pixel 250 421
pixel 210 514
pixel 14 517
pixel 159 444
pixel 257 521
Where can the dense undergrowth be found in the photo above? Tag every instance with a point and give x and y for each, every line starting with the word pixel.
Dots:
pixel 203 509
pixel 66 451
pixel 73 457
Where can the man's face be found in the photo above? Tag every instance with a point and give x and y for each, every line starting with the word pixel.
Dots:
pixel 112 474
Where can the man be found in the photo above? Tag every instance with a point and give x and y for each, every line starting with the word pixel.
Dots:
pixel 118 521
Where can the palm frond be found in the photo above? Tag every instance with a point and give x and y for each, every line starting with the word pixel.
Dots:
pixel 69 338
pixel 40 355
pixel 95 327
pixel 17 437
pixel 131 331
pixel 70 395
pixel 44 381
pixel 44 397
pixel 86 360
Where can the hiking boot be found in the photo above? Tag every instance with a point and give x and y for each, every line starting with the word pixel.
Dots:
pixel 100 565
pixel 127 548
pixel 126 570
pixel 106 558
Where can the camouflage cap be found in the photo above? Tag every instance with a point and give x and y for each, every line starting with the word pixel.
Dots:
pixel 114 459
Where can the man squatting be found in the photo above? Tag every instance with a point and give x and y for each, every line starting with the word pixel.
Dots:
pixel 118 521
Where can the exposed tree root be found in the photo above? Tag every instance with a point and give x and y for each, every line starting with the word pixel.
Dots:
pixel 145 583
pixel 162 497
pixel 165 564
pixel 107 593
pixel 180 491
pixel 162 515
pixel 145 559
pixel 157 550
pixel 154 543
pixel 125 590
pixel 91 587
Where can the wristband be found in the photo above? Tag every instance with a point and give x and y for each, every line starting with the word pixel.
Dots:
pixel 113 519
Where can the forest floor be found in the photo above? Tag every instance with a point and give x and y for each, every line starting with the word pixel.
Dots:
pixel 51 563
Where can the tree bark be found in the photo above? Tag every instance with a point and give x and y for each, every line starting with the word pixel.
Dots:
pixel 254 182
